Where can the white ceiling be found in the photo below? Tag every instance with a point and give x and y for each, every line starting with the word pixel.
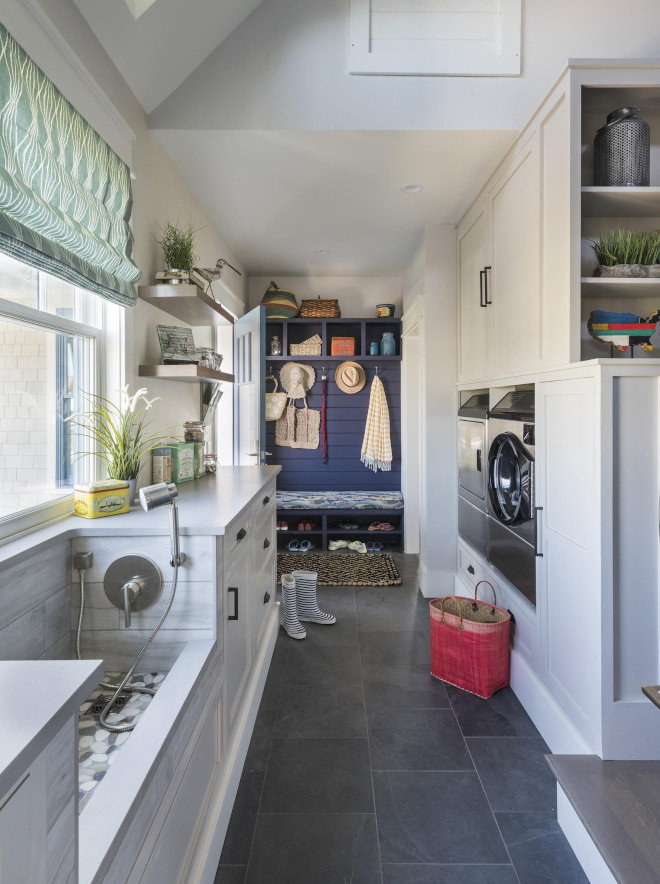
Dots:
pixel 276 197
pixel 157 51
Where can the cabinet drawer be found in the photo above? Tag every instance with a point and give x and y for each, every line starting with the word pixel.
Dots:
pixel 265 541
pixel 263 600
pixel 236 540
pixel 470 567
pixel 265 500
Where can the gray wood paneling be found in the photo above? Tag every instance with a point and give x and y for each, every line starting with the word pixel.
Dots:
pixel 117 649
pixel 61 650
pixel 57 612
pixel 23 639
pixel 30 582
pixel 61 772
pixel 199 552
pixel 61 847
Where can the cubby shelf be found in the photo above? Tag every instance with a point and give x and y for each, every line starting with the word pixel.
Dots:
pixel 363 331
pixel 638 202
pixel 599 287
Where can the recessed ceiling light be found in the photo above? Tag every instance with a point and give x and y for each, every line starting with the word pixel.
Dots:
pixel 412 188
pixel 321 251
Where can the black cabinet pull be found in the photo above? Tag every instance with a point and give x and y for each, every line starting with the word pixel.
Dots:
pixel 234 589
pixel 486 269
pixel 266 598
pixel 470 569
pixel 482 303
pixel 511 614
pixel 537 510
pixel 266 500
pixel 241 534
pixel 478 460
pixel 266 543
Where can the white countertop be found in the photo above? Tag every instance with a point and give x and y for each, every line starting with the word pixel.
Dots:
pixel 36 698
pixel 206 506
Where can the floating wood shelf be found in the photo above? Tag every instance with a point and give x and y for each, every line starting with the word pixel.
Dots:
pixel 638 202
pixel 188 373
pixel 187 303
pixel 599 287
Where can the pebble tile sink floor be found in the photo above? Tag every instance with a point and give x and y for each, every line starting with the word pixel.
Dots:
pixel 97 746
pixel 364 769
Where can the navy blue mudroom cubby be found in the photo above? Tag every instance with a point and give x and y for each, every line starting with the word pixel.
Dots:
pixel 346 414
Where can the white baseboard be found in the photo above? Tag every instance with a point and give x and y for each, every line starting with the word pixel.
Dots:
pixel 221 803
pixel 588 855
pixel 435 584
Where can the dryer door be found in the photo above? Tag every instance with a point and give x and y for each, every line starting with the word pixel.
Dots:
pixel 471 448
pixel 510 480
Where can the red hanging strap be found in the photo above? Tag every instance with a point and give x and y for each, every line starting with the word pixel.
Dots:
pixel 323 410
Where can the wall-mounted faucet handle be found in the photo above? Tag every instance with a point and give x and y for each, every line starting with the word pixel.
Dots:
pixel 131 590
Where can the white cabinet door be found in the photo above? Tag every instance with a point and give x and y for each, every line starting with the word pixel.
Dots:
pixel 513 204
pixel 238 640
pixel 568 602
pixel 475 317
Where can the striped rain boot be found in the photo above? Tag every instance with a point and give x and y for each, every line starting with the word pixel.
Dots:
pixel 291 622
pixel 308 609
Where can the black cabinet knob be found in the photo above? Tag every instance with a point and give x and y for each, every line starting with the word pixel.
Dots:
pixel 266 598
pixel 266 543
pixel 241 534
pixel 266 500
pixel 470 569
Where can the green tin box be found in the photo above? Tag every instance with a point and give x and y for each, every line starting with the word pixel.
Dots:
pixel 182 456
pixel 199 468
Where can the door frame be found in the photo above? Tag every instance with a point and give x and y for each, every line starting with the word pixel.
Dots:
pixel 413 421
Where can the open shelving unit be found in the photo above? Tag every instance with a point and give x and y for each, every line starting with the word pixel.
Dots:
pixel 364 332
pixel 325 527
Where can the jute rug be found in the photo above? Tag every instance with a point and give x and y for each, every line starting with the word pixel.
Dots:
pixel 343 569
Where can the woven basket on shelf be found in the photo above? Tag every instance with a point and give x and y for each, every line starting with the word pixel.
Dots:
pixel 321 308
pixel 311 347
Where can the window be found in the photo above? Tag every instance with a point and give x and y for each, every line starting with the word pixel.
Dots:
pixel 52 351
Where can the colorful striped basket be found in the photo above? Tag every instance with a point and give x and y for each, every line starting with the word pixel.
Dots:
pixel 279 303
pixel 470 643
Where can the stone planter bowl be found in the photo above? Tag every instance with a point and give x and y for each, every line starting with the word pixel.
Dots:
pixel 628 271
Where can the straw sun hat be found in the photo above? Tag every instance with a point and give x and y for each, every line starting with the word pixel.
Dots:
pixel 350 377
pixel 297 378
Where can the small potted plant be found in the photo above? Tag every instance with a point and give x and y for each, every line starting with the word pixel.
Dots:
pixel 119 434
pixel 178 245
pixel 627 254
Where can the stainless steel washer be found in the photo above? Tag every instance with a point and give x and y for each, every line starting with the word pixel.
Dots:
pixel 472 480
pixel 511 534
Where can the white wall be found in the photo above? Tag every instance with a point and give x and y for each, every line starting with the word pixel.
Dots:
pixel 432 273
pixel 357 295
pixel 286 67
pixel 60 41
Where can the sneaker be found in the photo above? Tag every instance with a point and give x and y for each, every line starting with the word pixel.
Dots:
pixel 347 525
pixel 337 544
pixel 357 546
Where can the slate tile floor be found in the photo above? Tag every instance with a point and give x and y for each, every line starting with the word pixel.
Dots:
pixel 364 770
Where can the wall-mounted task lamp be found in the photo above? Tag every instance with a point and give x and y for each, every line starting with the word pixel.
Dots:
pixel 154 496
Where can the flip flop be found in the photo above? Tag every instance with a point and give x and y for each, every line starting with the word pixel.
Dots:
pixel 292 546
pixel 377 547
pixel 305 546
pixel 381 526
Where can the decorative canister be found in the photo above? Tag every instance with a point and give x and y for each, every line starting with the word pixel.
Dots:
pixel 622 151
pixel 198 460
pixel 210 462
pixel 161 465
pixel 383 310
pixel 387 345
pixel 193 431
pixel 275 346
pixel 99 499
pixel 373 348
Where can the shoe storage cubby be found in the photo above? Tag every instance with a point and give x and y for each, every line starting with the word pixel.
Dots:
pixel 364 331
pixel 328 527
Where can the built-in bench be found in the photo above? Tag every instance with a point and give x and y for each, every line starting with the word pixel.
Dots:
pixel 618 804
pixel 326 509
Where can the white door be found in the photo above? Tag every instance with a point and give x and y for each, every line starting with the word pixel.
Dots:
pixel 475 357
pixel 249 372
pixel 514 278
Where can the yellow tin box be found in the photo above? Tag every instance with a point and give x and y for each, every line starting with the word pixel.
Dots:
pixel 99 499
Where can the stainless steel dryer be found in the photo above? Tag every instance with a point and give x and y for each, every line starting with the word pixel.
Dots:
pixel 472 483
pixel 511 536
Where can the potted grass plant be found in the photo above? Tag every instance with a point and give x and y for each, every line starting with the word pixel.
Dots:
pixel 178 245
pixel 627 254
pixel 120 436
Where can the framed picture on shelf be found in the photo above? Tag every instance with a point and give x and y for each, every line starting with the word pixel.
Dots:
pixel 177 346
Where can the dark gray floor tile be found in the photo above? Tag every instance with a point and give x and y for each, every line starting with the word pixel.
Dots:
pixel 321 711
pixel 318 776
pixel 502 715
pixel 337 600
pixel 384 608
pixel 417 739
pixel 230 875
pixel 435 817
pixel 402 687
pixel 310 664
pixel 342 634
pixel 238 841
pixel 259 749
pixel 448 874
pixel 270 698
pixel 314 848
pixel 539 849
pixel 404 647
pixel 514 772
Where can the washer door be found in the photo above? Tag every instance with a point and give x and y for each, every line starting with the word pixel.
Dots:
pixel 510 478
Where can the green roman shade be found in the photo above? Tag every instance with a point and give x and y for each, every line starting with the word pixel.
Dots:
pixel 65 196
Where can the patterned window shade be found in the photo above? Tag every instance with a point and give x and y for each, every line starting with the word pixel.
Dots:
pixel 65 196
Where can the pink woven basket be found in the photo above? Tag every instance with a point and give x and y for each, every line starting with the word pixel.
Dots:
pixel 470 643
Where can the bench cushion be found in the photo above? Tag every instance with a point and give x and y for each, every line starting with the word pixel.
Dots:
pixel 339 500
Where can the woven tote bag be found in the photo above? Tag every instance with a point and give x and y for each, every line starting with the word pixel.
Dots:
pixel 279 303
pixel 298 427
pixel 470 643
pixel 275 402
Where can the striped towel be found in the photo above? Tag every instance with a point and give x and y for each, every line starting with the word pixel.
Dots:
pixel 376 445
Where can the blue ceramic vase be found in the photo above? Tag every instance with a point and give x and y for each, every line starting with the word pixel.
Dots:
pixel 387 345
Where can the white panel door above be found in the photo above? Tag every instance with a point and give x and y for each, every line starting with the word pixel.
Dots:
pixel 435 37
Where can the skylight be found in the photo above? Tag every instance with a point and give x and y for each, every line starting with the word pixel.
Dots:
pixel 138 7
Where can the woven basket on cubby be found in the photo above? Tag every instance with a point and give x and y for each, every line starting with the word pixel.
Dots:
pixel 310 347
pixel 321 308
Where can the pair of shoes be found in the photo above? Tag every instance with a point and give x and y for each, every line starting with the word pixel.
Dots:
pixel 347 525
pixel 300 546
pixel 282 526
pixel 306 526
pixel 381 526
pixel 374 547
pixel 357 546
pixel 299 601
pixel 337 544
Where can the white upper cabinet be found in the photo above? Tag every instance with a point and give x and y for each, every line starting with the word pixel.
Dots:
pixel 475 317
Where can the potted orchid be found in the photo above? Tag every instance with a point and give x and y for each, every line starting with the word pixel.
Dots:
pixel 119 434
